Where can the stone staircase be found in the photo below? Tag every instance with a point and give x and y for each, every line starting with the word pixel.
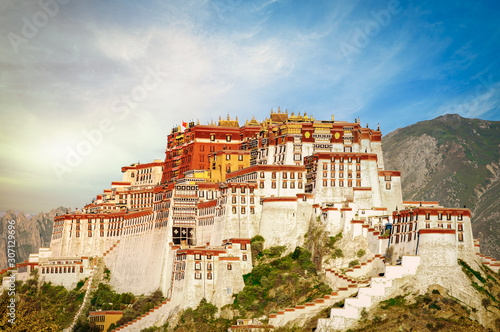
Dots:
pixel 110 249
pixel 154 316
pixel 300 313
pixel 486 260
pixel 380 287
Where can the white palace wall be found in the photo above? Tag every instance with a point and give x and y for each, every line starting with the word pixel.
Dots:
pixel 137 263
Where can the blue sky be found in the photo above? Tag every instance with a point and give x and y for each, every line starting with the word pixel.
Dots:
pixel 89 86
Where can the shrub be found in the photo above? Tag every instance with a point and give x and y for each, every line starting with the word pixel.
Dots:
pixel 361 253
pixel 486 302
pixel 353 263
pixel 337 253
pixel 435 291
pixel 396 301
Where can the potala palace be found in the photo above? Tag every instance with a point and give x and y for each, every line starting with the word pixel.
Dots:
pixel 183 224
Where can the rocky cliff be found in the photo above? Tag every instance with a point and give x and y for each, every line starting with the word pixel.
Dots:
pixel 32 232
pixel 455 161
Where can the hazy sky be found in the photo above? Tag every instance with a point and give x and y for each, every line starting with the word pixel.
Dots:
pixel 89 86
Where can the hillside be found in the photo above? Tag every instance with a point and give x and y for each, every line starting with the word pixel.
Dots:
pixel 31 233
pixel 455 161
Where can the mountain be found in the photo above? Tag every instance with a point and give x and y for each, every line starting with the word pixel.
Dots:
pixel 455 161
pixel 31 233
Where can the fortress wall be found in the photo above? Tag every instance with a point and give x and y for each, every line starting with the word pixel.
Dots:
pixel 334 222
pixel 68 280
pixel 278 223
pixel 304 216
pixel 138 262
pixel 466 249
pixel 393 197
pixel 229 282
pixel 437 247
pixel 363 198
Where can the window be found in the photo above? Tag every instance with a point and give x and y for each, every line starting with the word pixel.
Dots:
pixel 209 256
pixel 332 175
pixel 209 275
pixel 332 183
pixel 243 210
pixel 212 138
pixel 461 237
pixel 428 225
pixel 197 257
pixel 244 257
pixel 325 166
pixel 325 183
pixel 300 184
pixel 387 178
pixel 296 157
pixel 448 216
pixel 341 175
pixel 292 185
pixel 358 167
pixel 341 167
pixel 460 217
pixel 358 183
pixel 284 184
pixel 341 183
pixel 284 175
pixel 388 186
pixel 209 266
pixel 240 157
pixel 292 175
pixel 460 227
pixel 252 210
pixel 243 246
pixel 233 190
pixel 325 174
pixel 228 157
pixel 440 216
pixel 427 216
pixel 242 190
pixel 197 275
pixel 234 209
pixel 349 183
pixel 300 175
pixel 262 175
pixel 261 185
pixel 197 266
pixel 228 138
pixel 273 185
pixel 229 266
pixel 234 200
pixel 349 175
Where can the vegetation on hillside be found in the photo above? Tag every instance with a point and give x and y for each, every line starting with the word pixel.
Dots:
pixel 202 319
pixel 432 311
pixel 44 308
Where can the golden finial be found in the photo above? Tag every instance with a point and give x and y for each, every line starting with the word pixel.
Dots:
pixel 198 122
pixel 272 112
pixel 333 117
pixel 228 116
pixel 279 110
pixel 286 110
